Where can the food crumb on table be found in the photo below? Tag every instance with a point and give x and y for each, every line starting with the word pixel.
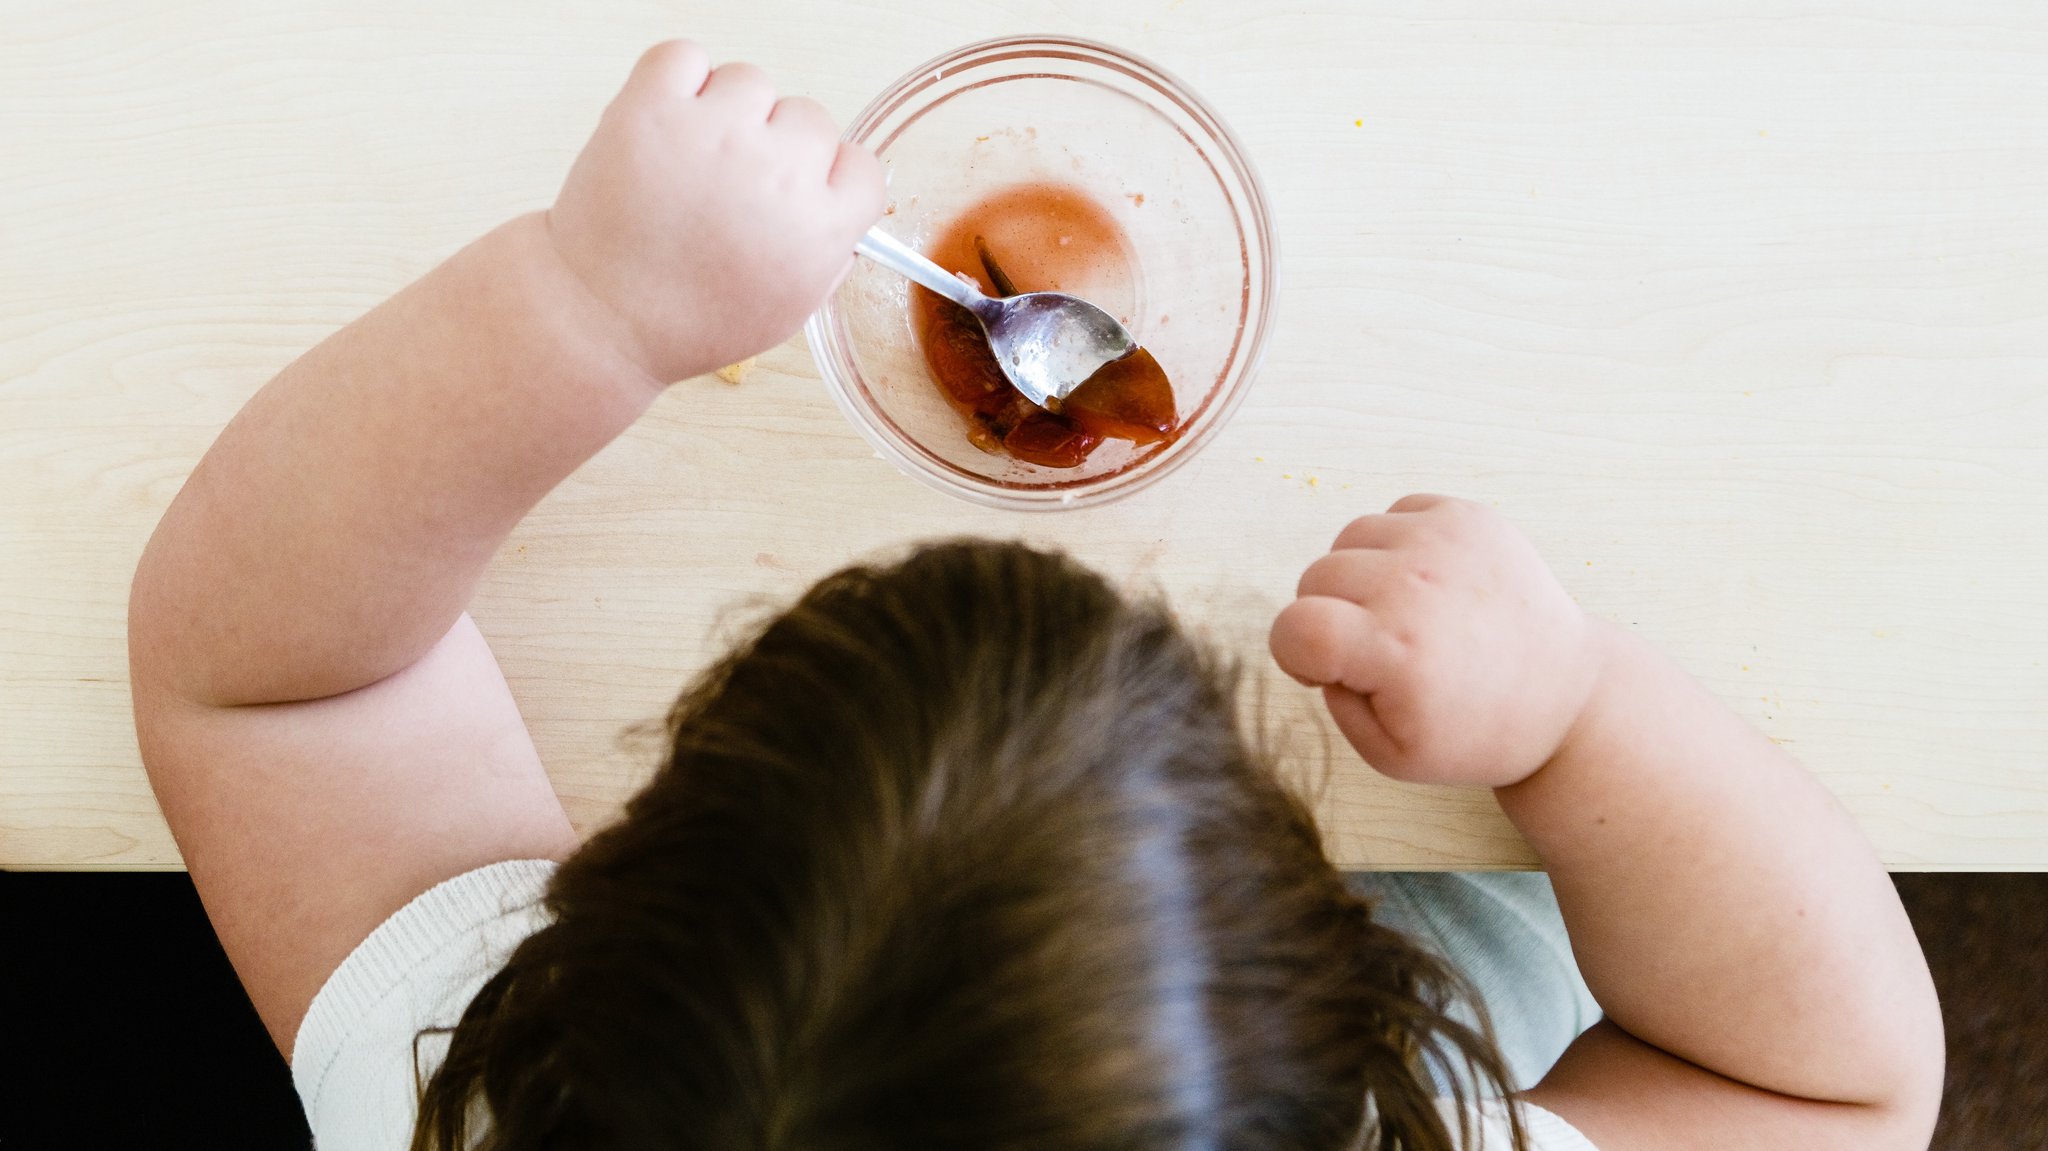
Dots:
pixel 736 373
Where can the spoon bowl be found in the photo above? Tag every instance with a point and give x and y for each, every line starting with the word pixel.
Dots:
pixel 1047 343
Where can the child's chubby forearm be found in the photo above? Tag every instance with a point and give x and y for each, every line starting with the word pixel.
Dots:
pixel 336 529
pixel 1723 906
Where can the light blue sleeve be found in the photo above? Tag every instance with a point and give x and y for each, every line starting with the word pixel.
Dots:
pixel 1503 931
pixel 1490 1131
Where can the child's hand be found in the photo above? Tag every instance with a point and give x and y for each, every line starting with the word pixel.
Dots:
pixel 708 215
pixel 1446 650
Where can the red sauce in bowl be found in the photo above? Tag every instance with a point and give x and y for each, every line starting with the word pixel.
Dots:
pixel 1037 238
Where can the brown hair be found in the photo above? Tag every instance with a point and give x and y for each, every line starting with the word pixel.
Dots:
pixel 964 852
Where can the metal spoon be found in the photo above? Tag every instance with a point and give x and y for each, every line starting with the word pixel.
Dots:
pixel 1048 343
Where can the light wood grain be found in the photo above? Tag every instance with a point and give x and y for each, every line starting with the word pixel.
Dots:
pixel 1740 310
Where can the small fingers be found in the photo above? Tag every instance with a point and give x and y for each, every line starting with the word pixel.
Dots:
pixel 742 88
pixel 803 116
pixel 1418 502
pixel 1349 573
pixel 1376 531
pixel 674 67
pixel 1356 718
pixel 857 176
pixel 1321 640
pixel 805 133
pixel 1391 526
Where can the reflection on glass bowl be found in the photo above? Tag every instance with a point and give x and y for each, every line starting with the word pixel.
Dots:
pixel 1050 110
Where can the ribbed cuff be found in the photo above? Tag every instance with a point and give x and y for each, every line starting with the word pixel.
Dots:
pixel 447 913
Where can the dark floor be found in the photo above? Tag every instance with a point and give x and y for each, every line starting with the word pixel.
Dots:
pixel 121 1025
pixel 1986 938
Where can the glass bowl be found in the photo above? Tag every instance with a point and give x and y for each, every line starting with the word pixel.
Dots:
pixel 1140 144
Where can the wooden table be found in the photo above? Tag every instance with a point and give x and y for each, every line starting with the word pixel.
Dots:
pixel 1742 314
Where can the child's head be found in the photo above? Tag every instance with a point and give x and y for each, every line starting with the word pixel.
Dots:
pixel 965 852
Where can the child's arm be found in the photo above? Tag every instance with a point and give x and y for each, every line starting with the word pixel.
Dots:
pixel 1762 985
pixel 326 732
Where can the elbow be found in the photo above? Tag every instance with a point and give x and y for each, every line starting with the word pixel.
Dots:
pixel 1922 1085
pixel 1917 1069
pixel 150 638
pixel 163 629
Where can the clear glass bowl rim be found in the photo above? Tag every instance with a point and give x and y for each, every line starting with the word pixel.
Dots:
pixel 833 363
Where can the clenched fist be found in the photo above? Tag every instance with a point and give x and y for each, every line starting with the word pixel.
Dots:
pixel 708 215
pixel 1446 650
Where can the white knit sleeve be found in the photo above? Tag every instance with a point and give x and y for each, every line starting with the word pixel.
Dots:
pixel 353 1059
pixel 1547 1132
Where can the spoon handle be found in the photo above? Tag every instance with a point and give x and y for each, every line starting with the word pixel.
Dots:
pixel 904 260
